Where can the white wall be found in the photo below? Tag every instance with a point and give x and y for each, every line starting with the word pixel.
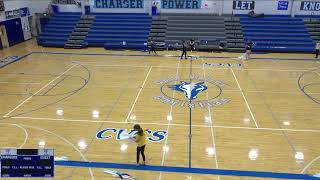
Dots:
pixel 214 7
pixel 261 6
pixel 16 4
pixel 35 6
pixel 39 6
pixel 13 4
pixel 69 8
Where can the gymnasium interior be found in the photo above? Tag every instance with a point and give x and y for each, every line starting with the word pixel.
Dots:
pixel 76 76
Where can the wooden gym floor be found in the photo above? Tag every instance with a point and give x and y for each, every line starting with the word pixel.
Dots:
pixel 266 123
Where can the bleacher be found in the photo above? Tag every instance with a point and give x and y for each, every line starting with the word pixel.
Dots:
pixel 277 33
pixel 312 23
pixel 119 30
pixel 207 30
pixel 57 32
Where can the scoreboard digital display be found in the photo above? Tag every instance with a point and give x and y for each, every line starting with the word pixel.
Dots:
pixel 27 162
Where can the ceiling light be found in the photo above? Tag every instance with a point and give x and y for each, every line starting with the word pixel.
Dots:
pixel 253 154
pixel 82 145
pixel 95 114
pixel 165 148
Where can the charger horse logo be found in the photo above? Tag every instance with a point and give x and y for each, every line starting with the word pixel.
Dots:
pixel 191 90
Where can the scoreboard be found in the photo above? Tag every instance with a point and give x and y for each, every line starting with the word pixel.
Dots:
pixel 27 162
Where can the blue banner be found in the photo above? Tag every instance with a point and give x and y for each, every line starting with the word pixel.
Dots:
pixel 24 12
pixel 310 6
pixel 283 5
pixel 181 4
pixel 118 4
pixel 243 5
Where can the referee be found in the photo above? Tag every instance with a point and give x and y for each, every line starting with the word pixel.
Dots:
pixel 152 46
pixel 184 49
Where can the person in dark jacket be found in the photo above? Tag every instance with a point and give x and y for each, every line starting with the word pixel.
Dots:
pixel 252 14
pixel 152 46
pixel 184 49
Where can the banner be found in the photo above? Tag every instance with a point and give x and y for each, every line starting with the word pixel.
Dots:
pixel 17 13
pixel 24 12
pixel 310 6
pixel 181 4
pixel 118 4
pixel 283 5
pixel 243 5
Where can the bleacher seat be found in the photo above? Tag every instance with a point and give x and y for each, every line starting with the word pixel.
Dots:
pixel 110 30
pixel 57 32
pixel 277 33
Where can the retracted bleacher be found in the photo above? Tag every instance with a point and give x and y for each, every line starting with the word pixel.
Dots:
pixel 312 23
pixel 57 32
pixel 277 33
pixel 119 30
pixel 207 30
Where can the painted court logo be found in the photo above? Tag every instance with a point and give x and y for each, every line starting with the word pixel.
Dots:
pixel 191 93
pixel 190 89
pixel 121 134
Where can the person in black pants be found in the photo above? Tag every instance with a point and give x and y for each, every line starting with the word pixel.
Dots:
pixel 152 46
pixel 141 143
pixel 184 50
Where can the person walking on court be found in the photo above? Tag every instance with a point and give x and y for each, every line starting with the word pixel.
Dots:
pixel 184 50
pixel 141 143
pixel 152 46
pixel 317 49
pixel 248 50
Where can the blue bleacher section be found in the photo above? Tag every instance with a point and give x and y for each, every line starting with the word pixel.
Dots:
pixel 57 32
pixel 277 33
pixel 112 29
pixel 308 16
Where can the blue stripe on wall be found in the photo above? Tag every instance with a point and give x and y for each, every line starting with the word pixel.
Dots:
pixel 174 169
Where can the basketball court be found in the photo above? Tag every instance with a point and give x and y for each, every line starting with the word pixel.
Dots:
pixel 262 116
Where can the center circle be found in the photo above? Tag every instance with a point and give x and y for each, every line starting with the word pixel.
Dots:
pixel 205 86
